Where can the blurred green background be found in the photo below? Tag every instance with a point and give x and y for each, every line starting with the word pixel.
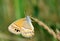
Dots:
pixel 47 11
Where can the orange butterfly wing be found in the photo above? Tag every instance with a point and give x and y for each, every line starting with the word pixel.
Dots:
pixel 20 22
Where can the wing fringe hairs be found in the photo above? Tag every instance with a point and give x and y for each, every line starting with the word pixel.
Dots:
pixel 46 27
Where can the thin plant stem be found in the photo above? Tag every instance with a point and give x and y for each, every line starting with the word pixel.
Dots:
pixel 45 27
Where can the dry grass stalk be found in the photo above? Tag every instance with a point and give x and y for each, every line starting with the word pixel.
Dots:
pixel 46 27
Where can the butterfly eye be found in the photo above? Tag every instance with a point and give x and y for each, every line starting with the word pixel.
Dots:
pixel 17 30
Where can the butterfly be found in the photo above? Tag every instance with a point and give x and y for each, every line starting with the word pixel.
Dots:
pixel 22 26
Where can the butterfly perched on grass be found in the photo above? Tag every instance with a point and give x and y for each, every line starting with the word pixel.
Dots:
pixel 22 26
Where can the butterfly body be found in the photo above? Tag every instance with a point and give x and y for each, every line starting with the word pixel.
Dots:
pixel 22 26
